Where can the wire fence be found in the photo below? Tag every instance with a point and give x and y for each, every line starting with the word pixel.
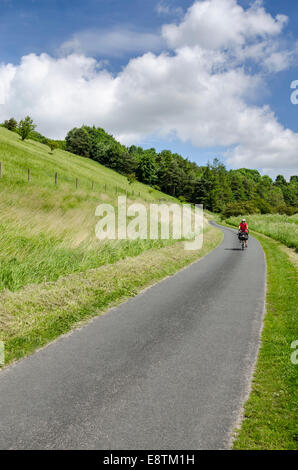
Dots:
pixel 58 178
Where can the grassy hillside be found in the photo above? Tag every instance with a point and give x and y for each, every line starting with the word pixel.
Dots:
pixel 47 230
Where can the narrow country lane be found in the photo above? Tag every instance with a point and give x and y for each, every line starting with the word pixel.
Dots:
pixel 168 369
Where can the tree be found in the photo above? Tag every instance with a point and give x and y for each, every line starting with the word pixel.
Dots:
pixel 203 189
pixel 221 192
pixel 11 124
pixel 163 162
pixel 275 197
pixel 79 142
pixel 264 187
pixel 280 181
pixel 25 127
pixel 233 209
pixel 285 209
pixel 147 168
pixel 250 207
pixel 112 155
pixel 174 176
pixel 53 145
pixel 38 137
pixel 235 191
pixel 263 206
pixel 131 178
pixel 236 183
pixel 292 196
pixel 126 163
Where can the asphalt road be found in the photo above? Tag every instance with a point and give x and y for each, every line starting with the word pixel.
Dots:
pixel 166 370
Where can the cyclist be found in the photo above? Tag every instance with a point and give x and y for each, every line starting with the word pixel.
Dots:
pixel 243 228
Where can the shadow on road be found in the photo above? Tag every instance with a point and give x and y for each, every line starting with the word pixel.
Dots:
pixel 233 249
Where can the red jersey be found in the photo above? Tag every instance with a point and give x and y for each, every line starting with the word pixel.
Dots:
pixel 243 227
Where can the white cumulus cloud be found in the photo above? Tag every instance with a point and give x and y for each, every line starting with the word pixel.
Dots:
pixel 116 42
pixel 216 24
pixel 197 89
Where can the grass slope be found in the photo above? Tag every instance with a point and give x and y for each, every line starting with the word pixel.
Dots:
pixel 46 230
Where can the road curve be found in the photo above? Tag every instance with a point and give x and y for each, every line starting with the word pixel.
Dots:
pixel 168 369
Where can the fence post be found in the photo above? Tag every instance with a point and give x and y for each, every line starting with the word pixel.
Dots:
pixel 77 183
pixel 29 174
pixel 105 188
pixel 92 185
pixel 56 178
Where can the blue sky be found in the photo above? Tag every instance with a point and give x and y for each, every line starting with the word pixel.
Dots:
pixel 43 26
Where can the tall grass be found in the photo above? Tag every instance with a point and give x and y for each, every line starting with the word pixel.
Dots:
pixel 48 230
pixel 279 227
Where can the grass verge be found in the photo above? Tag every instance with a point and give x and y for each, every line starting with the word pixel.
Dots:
pixel 271 410
pixel 37 314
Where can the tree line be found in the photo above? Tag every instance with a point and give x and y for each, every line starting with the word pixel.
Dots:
pixel 230 192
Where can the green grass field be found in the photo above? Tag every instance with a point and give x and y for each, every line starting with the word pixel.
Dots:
pixel 48 230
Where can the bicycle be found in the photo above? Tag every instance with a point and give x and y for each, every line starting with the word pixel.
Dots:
pixel 243 237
